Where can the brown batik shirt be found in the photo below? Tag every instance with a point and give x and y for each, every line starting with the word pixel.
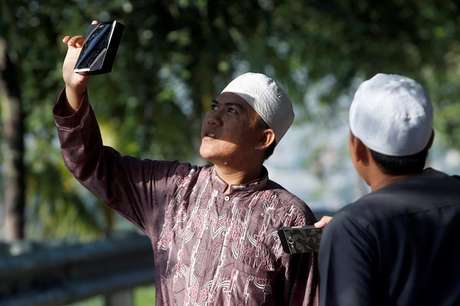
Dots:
pixel 210 247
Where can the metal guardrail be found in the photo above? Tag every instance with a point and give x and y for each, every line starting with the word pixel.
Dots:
pixel 60 275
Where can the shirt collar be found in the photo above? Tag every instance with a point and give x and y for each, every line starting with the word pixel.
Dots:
pixel 221 185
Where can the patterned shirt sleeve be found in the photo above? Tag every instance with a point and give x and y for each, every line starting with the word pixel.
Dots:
pixel 137 189
pixel 301 270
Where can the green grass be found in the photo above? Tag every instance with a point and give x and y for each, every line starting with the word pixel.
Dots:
pixel 143 296
pixel 96 301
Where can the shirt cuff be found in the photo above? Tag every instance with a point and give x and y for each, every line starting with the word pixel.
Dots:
pixel 64 116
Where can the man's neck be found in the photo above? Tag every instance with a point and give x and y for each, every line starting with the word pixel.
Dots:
pixel 384 180
pixel 238 176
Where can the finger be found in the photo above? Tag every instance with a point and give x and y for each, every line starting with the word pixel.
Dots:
pixel 76 41
pixel 319 224
pixel 65 39
pixel 325 220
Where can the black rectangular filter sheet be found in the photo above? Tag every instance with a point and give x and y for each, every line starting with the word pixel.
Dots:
pixel 300 239
pixel 100 48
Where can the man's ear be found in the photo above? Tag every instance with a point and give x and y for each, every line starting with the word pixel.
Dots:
pixel 430 143
pixel 266 139
pixel 360 151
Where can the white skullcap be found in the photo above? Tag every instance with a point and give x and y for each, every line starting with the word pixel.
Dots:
pixel 267 99
pixel 392 115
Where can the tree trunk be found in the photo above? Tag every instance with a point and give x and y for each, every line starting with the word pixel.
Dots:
pixel 13 149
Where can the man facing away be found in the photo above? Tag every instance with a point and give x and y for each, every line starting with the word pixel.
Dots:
pixel 213 228
pixel 399 244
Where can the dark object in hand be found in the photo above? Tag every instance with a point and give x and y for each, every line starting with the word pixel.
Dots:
pixel 99 49
pixel 300 239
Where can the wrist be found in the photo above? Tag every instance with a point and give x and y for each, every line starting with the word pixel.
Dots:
pixel 76 89
pixel 74 96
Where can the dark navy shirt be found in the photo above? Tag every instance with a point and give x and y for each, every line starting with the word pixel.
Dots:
pixel 397 246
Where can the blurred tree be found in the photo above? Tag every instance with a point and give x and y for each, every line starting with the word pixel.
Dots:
pixel 346 41
pixel 173 59
pixel 176 55
pixel 13 149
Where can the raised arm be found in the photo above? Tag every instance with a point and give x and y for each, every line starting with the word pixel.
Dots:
pixel 137 189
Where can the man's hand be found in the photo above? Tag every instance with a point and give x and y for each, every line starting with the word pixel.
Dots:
pixel 325 220
pixel 75 83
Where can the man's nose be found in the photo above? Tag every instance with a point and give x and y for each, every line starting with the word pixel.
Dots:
pixel 214 118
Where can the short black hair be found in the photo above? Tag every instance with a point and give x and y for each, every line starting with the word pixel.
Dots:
pixel 401 165
pixel 263 125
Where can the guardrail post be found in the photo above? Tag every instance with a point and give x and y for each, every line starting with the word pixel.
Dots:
pixel 121 298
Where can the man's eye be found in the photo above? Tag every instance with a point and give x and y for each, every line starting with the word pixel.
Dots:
pixel 214 106
pixel 232 110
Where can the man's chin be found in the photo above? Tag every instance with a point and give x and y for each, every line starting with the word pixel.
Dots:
pixel 210 156
pixel 205 154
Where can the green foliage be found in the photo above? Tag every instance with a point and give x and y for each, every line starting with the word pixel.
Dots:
pixel 352 40
pixel 176 55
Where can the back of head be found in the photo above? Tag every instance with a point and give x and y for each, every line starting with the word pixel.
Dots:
pixel 393 116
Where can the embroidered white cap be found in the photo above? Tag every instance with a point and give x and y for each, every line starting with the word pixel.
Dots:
pixel 267 98
pixel 392 114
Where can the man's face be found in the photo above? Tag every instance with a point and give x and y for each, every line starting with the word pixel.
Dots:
pixel 229 132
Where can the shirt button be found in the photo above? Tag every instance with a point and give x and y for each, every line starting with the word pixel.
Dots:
pixel 227 198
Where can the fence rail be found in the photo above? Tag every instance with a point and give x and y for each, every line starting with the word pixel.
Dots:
pixel 54 276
